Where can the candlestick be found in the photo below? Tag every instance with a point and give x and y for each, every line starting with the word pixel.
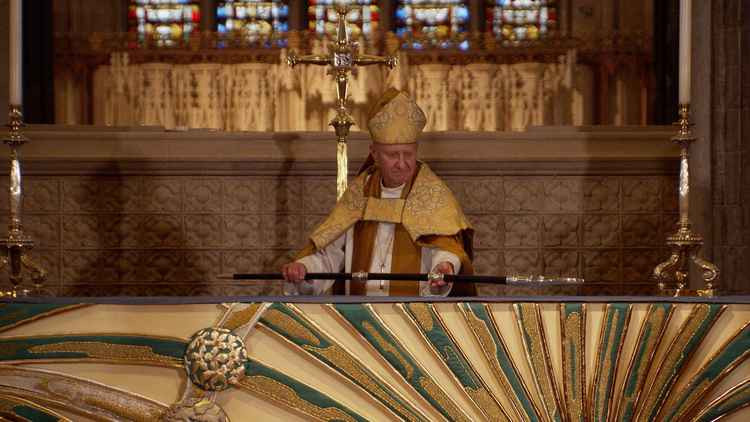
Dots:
pixel 685 62
pixel 685 243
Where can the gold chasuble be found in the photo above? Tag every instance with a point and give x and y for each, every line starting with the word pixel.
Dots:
pixel 426 216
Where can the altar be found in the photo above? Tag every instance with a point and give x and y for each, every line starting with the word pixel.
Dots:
pixel 353 358
pixel 151 212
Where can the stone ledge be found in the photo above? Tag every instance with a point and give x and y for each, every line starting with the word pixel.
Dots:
pixel 328 168
pixel 153 150
pixel 539 143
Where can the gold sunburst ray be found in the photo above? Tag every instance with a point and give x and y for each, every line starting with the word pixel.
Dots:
pixel 274 385
pixel 424 319
pixel 733 352
pixel 78 395
pixel 732 400
pixel 247 314
pixel 305 361
pixel 338 358
pixel 573 346
pixel 93 350
pixel 529 321
pixel 650 336
pixel 373 329
pixel 611 338
pixel 9 321
pixel 417 400
pixel 660 382
pixel 486 332
pixel 17 408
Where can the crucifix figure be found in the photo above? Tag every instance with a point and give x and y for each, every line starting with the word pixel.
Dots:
pixel 342 57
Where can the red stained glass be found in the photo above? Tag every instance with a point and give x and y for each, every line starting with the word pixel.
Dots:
pixel 517 20
pixel 164 23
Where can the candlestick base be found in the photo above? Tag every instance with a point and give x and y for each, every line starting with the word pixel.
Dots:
pixel 16 247
pixel 17 244
pixel 674 271
pixel 684 243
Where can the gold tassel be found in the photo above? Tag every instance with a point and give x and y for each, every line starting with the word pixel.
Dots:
pixel 343 168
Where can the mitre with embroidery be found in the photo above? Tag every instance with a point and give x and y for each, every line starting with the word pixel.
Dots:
pixel 396 119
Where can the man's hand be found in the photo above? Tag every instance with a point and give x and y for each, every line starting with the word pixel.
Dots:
pixel 294 272
pixel 444 267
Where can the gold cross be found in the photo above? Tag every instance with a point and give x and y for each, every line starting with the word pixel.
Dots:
pixel 342 57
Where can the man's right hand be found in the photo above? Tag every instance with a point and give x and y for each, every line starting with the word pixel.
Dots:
pixel 294 272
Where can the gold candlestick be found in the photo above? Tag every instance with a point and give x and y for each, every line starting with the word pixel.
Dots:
pixel 17 244
pixel 684 243
pixel 342 57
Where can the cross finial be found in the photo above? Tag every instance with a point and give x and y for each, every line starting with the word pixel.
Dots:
pixel 342 58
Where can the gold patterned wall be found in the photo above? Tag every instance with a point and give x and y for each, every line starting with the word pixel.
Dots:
pixel 171 235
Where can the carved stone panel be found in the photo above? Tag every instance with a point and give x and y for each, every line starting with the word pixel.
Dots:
pixel 120 235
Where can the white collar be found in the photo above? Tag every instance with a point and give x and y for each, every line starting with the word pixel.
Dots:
pixel 386 192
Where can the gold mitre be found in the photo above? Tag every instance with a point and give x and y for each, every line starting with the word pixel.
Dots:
pixel 396 119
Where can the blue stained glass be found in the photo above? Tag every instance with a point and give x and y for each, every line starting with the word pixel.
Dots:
pixel 402 13
pixel 461 13
pixel 436 23
pixel 464 45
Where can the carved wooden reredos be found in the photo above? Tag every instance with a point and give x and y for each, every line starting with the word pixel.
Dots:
pixel 595 69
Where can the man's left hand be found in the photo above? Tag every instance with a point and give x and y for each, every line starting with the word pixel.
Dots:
pixel 444 267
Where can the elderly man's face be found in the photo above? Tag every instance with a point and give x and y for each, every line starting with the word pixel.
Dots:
pixel 397 162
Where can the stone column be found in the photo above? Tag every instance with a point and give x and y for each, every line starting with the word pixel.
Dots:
pixel 477 16
pixel 206 82
pixel 478 102
pixel 526 97
pixel 208 15
pixel 249 98
pixel 729 114
pixel 431 87
pixel 700 152
pixel 387 11
pixel 297 13
pixel 720 159
pixel 156 108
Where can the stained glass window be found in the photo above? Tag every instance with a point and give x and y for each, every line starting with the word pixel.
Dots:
pixel 166 22
pixel 433 23
pixel 518 20
pixel 255 19
pixel 362 19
